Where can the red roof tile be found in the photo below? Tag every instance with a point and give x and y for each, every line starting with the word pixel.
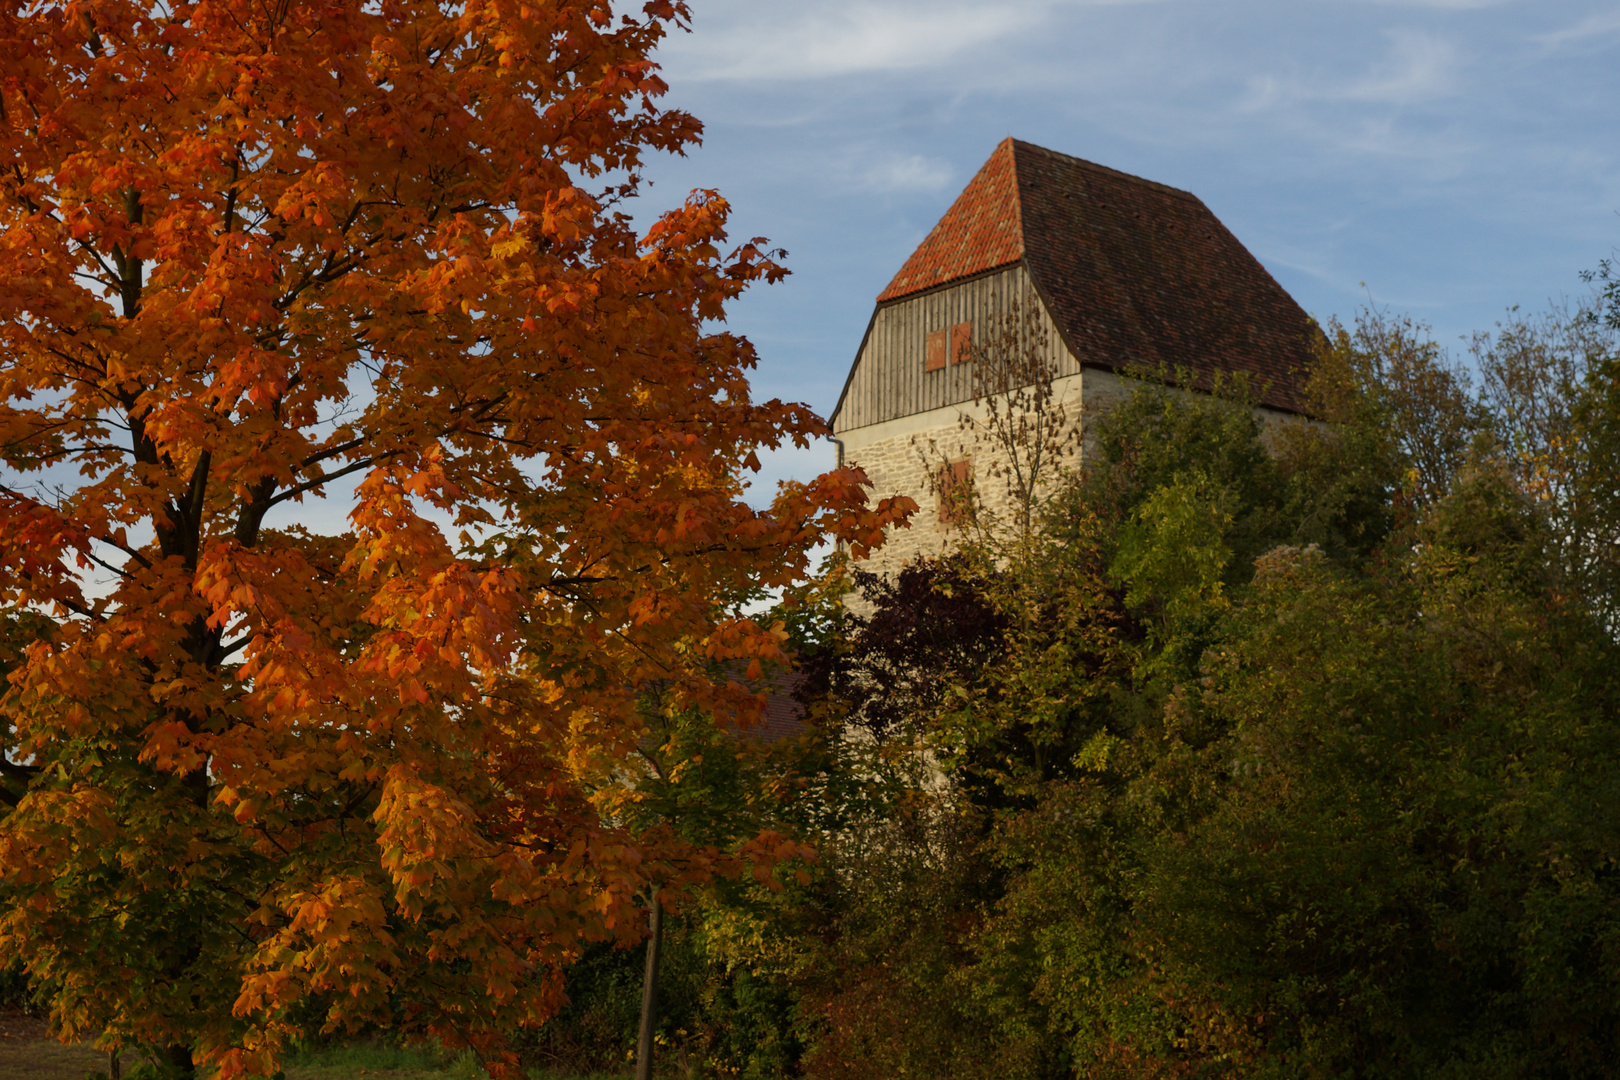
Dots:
pixel 1133 272
pixel 981 231
pixel 783 715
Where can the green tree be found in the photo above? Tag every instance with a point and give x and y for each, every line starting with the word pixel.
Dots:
pixel 1548 391
pixel 1293 754
pixel 1402 866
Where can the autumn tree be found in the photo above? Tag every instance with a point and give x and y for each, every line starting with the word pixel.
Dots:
pixel 261 779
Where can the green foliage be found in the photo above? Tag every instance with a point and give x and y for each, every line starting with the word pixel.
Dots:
pixel 16 633
pixel 726 1002
pixel 892 991
pixel 14 993
pixel 1296 755
pixel 1173 550
pixel 1407 870
pixel 373 1055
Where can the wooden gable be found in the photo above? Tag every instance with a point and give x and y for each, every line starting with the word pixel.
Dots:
pixel 913 357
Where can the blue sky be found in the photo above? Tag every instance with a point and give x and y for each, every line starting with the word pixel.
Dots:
pixel 1456 156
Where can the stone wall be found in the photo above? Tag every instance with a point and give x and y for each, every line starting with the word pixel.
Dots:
pixel 900 457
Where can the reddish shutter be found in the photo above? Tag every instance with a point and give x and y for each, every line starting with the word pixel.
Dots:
pixel 936 351
pixel 955 489
pixel 961 342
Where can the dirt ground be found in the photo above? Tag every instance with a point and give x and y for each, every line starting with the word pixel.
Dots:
pixel 27 1052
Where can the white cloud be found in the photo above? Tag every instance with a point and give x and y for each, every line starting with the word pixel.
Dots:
pixel 911 172
pixel 1434 155
pixel 1600 24
pixel 1420 67
pixel 780 40
pixel 1474 128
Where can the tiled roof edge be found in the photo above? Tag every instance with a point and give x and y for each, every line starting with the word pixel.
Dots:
pixel 950 283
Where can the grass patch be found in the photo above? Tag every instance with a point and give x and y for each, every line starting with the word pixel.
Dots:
pixel 27 1052
pixel 381 1061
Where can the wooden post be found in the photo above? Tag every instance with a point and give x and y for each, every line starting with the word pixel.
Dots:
pixel 649 989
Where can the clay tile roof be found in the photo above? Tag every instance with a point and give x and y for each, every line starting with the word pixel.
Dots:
pixel 783 715
pixel 981 231
pixel 1134 272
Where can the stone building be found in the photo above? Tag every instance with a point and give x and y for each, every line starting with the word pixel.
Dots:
pixel 1118 272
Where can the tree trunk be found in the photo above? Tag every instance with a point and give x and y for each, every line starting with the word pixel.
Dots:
pixel 179 1061
pixel 649 989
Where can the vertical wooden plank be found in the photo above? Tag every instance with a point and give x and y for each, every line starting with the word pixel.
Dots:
pixel 879 370
pixel 884 374
pixel 880 354
pixel 884 391
pixel 905 352
pixel 943 314
pixel 880 359
pixel 874 349
pixel 915 361
pixel 874 361
pixel 892 380
pixel 901 363
pixel 917 386
pixel 925 324
pixel 852 397
pixel 862 391
pixel 954 318
pixel 931 316
pixel 904 360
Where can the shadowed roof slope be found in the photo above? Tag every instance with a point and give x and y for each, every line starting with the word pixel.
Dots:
pixel 1133 272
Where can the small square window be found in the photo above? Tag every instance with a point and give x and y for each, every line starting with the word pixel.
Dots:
pixel 936 351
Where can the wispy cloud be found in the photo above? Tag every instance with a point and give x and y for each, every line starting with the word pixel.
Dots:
pixel 779 39
pixel 773 41
pixel 910 172
pixel 1446 5
pixel 1419 67
pixel 1435 154
pixel 1596 26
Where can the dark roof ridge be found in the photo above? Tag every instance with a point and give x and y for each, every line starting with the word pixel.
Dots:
pixel 1109 170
